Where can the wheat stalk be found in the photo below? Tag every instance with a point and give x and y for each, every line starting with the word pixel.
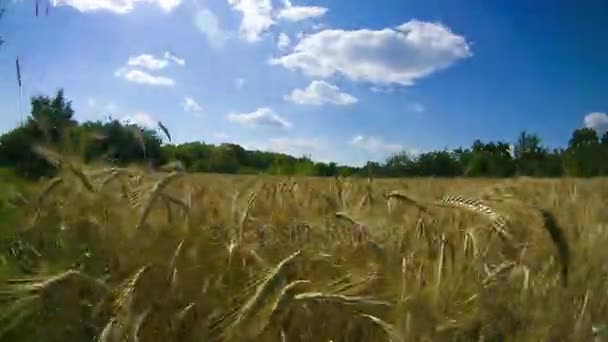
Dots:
pixel 154 193
pixel 274 280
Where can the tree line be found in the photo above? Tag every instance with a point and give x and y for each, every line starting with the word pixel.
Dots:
pixel 114 142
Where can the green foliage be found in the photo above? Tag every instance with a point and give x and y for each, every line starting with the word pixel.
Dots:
pixel 51 123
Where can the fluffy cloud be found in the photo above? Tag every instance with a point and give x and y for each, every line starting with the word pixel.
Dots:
pixel 208 23
pixel 297 13
pixel 260 117
pixel 142 77
pixel 284 42
pixel 115 6
pixel 148 62
pixel 597 121
pixel 321 92
pixel 141 119
pixel 173 58
pixel 398 55
pixel 257 17
pixel 374 144
pixel 190 105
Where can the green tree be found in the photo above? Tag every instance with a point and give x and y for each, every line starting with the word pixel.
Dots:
pixel 582 156
pixel 529 155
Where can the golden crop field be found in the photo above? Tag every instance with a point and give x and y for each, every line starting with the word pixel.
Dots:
pixel 123 255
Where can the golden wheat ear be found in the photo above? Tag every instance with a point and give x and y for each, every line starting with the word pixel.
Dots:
pixel 498 223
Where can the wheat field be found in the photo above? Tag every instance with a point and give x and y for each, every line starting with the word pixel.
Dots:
pixel 111 254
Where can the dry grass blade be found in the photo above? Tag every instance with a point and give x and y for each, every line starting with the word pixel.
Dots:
pixel 46 191
pixel 137 323
pixel 338 299
pixel 344 217
pixel 559 240
pixel 390 330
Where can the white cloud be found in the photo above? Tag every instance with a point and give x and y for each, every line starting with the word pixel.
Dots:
pixel 142 77
pixel 415 107
pixel 141 119
pixel 260 117
pixel 116 6
pixel 374 144
pixel 169 56
pixel 208 23
pixel 190 105
pixel 398 55
pixel 598 121
pixel 321 92
pixel 297 13
pixel 148 62
pixel 284 42
pixel 239 83
pixel 257 17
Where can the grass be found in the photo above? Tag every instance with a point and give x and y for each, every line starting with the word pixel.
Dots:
pixel 125 255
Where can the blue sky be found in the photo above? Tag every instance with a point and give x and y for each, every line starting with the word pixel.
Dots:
pixel 347 81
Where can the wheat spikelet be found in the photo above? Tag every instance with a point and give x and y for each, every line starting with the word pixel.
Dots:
pixel 123 293
pixel 499 224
